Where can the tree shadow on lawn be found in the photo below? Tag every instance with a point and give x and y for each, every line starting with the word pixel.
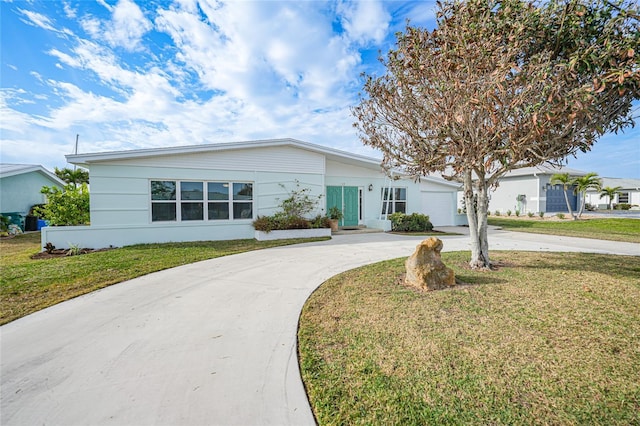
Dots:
pixel 615 266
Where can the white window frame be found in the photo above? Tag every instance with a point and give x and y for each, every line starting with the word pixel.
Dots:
pixel 623 197
pixel 178 201
pixel 392 202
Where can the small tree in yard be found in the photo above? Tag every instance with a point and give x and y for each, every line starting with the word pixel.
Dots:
pixel 500 85
pixel 567 183
pixel 65 207
pixel 583 184
pixel 610 192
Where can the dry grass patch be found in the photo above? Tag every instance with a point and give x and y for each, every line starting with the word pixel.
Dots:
pixel 548 339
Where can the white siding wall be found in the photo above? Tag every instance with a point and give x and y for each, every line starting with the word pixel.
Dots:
pixel 121 201
pixel 440 204
pixel 602 203
pixel 268 159
pixel 271 188
pixel 504 197
pixel 341 174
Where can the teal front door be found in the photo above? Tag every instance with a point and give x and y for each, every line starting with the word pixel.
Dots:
pixel 350 206
pixel 346 199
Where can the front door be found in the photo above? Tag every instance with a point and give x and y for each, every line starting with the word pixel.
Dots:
pixel 346 198
pixel 350 206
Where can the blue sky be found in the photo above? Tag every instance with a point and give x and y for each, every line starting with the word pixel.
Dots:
pixel 157 73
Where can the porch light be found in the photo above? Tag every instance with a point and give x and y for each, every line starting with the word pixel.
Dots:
pixel 370 187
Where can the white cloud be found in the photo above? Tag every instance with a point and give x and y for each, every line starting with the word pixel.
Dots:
pixel 228 76
pixel 38 20
pixel 365 21
pixel 68 10
pixel 125 29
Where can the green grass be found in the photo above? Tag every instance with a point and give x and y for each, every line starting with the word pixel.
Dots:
pixel 28 285
pixel 547 339
pixel 627 230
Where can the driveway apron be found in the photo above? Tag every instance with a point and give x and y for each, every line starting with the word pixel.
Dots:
pixel 211 343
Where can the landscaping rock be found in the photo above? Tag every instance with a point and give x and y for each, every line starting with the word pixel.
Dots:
pixel 425 269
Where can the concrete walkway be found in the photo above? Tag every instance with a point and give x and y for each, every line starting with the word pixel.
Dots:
pixel 203 344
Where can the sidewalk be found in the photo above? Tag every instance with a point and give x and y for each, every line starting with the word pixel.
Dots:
pixel 211 343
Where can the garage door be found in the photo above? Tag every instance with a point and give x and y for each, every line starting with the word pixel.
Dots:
pixel 439 206
pixel 556 201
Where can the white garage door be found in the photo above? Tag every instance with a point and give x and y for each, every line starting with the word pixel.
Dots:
pixel 439 206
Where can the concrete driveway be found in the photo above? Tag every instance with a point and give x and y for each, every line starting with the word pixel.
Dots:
pixel 203 344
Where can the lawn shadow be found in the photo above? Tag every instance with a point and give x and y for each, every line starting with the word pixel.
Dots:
pixel 613 265
pixel 467 280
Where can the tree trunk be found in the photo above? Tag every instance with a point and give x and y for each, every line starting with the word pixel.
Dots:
pixel 477 217
pixel 566 199
pixel 582 203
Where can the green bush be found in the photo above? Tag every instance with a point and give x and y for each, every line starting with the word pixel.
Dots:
pixel 622 206
pixel 508 212
pixel 280 221
pixel 517 213
pixel 497 213
pixel 4 223
pixel 65 207
pixel 541 214
pixel 292 210
pixel 320 222
pixel 530 214
pixel 560 215
pixel 414 222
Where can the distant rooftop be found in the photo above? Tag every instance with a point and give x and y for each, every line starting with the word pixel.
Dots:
pixel 7 170
pixel 544 169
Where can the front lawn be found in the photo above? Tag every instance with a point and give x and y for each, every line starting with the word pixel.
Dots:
pixel 28 285
pixel 549 338
pixel 627 230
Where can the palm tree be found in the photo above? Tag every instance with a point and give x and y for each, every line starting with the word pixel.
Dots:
pixel 567 182
pixel 583 184
pixel 73 177
pixel 607 191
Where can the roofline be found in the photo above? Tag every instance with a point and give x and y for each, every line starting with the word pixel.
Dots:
pixel 34 168
pixel 441 181
pixel 86 159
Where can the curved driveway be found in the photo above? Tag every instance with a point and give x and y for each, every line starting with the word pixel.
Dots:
pixel 208 343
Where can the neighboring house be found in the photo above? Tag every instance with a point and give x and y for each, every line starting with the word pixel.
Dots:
pixel 628 193
pixel 213 192
pixel 20 186
pixel 529 190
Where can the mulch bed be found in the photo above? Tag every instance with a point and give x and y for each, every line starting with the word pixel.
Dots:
pixel 55 253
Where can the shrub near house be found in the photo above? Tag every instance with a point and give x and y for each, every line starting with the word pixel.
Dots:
pixel 293 210
pixel 66 207
pixel 414 222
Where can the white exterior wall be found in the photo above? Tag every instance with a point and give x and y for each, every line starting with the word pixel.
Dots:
pixel 341 174
pixel 121 195
pixel 427 197
pixel 603 203
pixel 439 203
pixel 505 196
pixel 19 193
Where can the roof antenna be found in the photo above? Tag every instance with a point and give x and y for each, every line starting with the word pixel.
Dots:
pixel 76 153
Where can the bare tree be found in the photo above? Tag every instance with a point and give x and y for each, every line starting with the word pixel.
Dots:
pixel 500 85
